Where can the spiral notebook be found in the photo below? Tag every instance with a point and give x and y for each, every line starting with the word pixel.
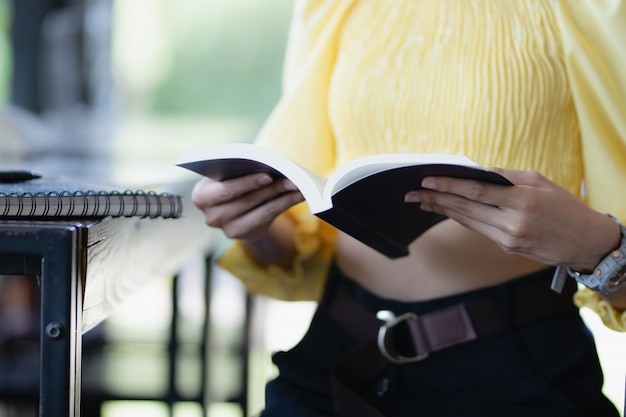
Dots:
pixel 48 198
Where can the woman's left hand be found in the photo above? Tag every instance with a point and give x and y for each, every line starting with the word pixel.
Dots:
pixel 535 218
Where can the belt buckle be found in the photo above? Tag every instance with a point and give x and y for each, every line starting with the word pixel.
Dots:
pixel 390 320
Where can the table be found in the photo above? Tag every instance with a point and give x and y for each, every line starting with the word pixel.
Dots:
pixel 85 268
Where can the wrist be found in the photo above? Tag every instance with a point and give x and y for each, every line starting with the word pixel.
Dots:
pixel 275 246
pixel 610 240
pixel 617 298
pixel 609 274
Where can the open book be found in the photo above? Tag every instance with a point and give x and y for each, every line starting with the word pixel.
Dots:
pixel 364 198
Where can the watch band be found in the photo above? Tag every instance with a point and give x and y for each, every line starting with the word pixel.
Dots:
pixel 607 277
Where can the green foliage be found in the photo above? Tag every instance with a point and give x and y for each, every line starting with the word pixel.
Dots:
pixel 227 61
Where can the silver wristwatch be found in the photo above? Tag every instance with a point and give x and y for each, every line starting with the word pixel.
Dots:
pixel 607 277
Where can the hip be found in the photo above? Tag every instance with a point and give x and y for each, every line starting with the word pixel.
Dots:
pixel 519 364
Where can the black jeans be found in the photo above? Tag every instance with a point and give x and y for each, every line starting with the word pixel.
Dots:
pixel 548 368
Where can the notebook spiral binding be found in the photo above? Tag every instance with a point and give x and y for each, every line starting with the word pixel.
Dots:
pixel 88 203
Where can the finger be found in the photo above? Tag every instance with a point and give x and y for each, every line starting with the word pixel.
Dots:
pixel 459 208
pixel 218 215
pixel 255 222
pixel 489 221
pixel 516 233
pixel 208 192
pixel 480 191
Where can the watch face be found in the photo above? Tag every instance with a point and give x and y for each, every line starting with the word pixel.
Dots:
pixel 618 278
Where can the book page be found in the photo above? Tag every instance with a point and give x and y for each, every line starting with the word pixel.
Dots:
pixel 369 165
pixel 231 160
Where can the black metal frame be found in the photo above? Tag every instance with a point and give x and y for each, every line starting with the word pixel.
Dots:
pixel 55 253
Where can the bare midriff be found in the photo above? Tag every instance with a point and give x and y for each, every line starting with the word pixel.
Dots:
pixel 448 259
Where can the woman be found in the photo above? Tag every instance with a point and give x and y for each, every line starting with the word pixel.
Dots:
pixel 534 87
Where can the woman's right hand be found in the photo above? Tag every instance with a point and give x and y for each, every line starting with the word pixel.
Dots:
pixel 245 207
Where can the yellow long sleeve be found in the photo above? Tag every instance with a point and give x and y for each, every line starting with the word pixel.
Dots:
pixel 299 128
pixel 593 34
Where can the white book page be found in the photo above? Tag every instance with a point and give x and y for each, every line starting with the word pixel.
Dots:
pixel 368 165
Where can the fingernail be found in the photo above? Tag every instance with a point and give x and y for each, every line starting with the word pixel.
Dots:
pixel 264 179
pixel 426 207
pixel 429 183
pixel 289 186
pixel 412 197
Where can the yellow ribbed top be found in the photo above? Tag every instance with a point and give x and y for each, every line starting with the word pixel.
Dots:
pixel 523 84
pixel 484 78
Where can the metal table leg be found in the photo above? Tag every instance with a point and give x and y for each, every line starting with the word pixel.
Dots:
pixel 56 255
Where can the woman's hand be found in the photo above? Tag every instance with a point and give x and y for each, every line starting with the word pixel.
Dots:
pixel 535 219
pixel 245 207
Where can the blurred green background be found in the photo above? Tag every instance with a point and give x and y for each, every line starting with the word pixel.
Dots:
pixel 190 72
pixel 198 58
pixel 5 51
pixel 203 70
